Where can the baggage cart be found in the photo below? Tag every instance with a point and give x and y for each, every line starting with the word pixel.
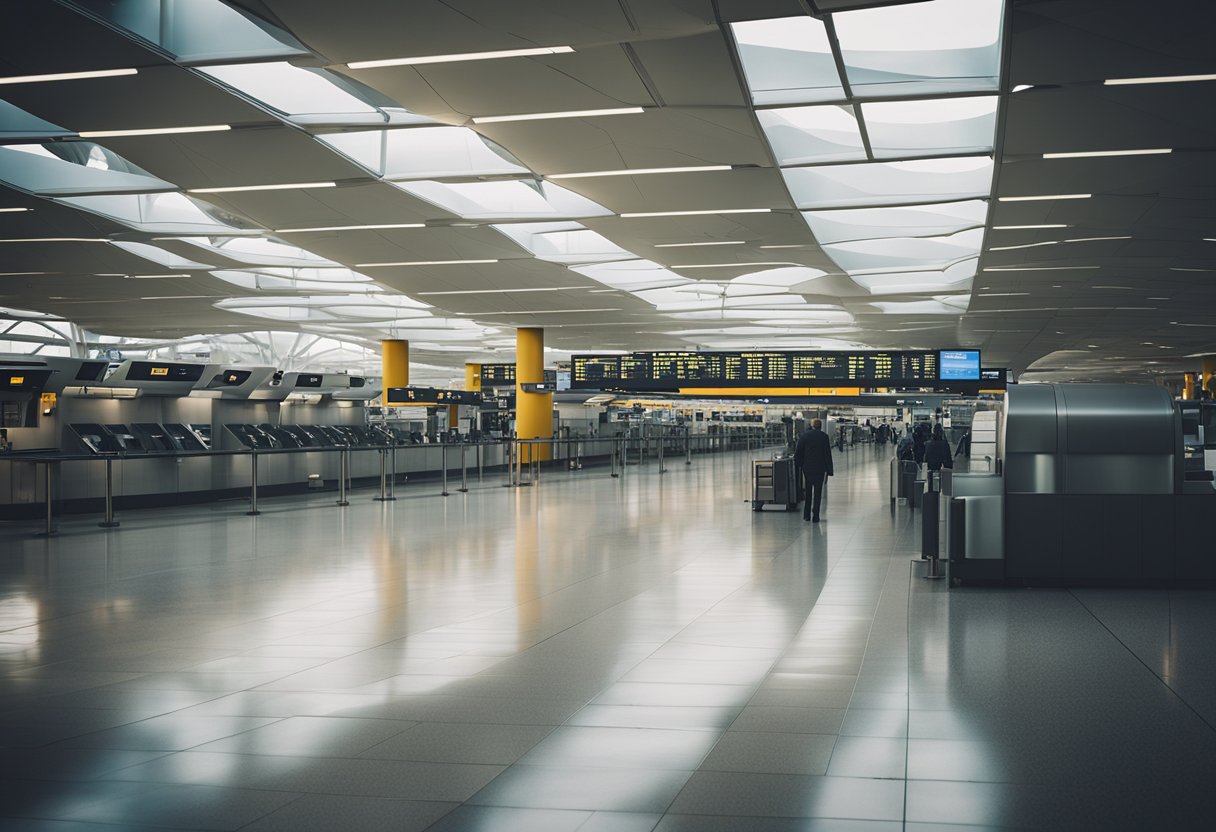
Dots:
pixel 774 482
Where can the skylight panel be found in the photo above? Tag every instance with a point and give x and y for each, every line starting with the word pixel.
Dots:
pixel 196 30
pixel 787 61
pixel 890 183
pixel 905 253
pixel 159 256
pixel 258 251
pixel 836 226
pixel 519 198
pixel 309 95
pixel 804 135
pixel 299 279
pixel 940 305
pixel 161 213
pixel 955 278
pixel 16 123
pixel 73 168
pixel 425 153
pixel 941 126
pixel 563 242
pixel 941 46
pixel 633 275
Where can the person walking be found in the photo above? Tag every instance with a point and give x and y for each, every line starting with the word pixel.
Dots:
pixel 937 451
pixel 813 456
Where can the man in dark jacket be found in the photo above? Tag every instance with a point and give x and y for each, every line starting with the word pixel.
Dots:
pixel 813 456
pixel 937 451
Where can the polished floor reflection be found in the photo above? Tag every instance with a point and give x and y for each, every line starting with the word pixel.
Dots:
pixel 588 654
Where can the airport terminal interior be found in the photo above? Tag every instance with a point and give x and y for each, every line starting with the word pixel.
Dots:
pixel 607 415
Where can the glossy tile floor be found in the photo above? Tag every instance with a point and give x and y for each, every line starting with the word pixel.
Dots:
pixel 590 654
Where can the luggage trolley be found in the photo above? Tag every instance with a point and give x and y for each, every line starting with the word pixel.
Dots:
pixel 775 482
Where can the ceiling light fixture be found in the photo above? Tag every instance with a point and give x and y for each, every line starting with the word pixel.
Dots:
pixel 690 245
pixel 1044 197
pixel 462 56
pixel 1094 239
pixel 1156 151
pixel 57 240
pixel 1028 227
pixel 613 111
pixel 637 171
pixel 795 245
pixel 540 312
pixel 731 265
pixel 350 227
pixel 1035 268
pixel 283 187
pixel 14 210
pixel 66 76
pixel 423 263
pixel 153 131
pixel 502 291
pixel 1158 79
pixel 636 214
pixel 1026 245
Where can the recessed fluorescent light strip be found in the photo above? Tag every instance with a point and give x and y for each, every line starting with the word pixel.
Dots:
pixel 1040 198
pixel 730 265
pixel 614 111
pixel 1028 227
pixel 462 56
pixel 1156 151
pixel 14 210
pixel 501 291
pixel 66 76
pixel 635 214
pixel 153 131
pixel 57 240
pixel 690 245
pixel 351 227
pixel 424 263
pixel 539 312
pixel 284 187
pixel 1159 79
pixel 637 171
pixel 1035 268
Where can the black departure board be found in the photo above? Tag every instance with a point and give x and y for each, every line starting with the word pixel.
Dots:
pixel 672 370
pixel 497 374
pixel 430 395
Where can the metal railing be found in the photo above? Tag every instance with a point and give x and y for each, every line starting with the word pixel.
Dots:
pixel 523 461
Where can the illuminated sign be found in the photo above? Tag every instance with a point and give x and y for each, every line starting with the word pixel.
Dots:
pixel 431 395
pixel 16 379
pixel 159 371
pixel 960 365
pixel 497 374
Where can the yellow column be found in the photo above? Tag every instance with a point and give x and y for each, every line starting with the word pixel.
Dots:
pixel 1209 371
pixel 1188 386
pixel 533 411
pixel 472 376
pixel 394 367
pixel 454 416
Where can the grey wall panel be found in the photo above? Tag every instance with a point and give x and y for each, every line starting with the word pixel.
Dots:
pixel 1081 540
pixel 1114 473
pixel 1032 474
pixel 1118 536
pixel 1194 553
pixel 1158 537
pixel 1034 525
pixel 1030 419
pixel 1118 418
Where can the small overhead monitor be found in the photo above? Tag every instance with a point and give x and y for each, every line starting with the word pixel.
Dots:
pixel 959 365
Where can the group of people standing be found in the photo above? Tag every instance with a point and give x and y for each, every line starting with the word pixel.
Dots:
pixel 927 446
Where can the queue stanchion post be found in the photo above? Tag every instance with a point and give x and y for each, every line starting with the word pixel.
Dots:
pixel 343 468
pixel 464 482
pixel 443 455
pixel 109 522
pixel 383 498
pixel 253 483
pixel 50 530
pixel 480 472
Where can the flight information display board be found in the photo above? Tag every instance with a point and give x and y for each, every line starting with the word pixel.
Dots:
pixel 673 370
pixel 497 374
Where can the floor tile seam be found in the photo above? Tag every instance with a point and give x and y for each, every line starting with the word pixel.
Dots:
pixel 1145 665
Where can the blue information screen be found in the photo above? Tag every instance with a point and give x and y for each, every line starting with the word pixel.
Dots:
pixel 959 365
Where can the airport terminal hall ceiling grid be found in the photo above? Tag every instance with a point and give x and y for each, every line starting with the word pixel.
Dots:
pixel 1032 178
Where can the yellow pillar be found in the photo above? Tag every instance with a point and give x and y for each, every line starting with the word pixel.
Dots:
pixel 1209 372
pixel 533 411
pixel 453 416
pixel 1188 386
pixel 472 377
pixel 394 367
